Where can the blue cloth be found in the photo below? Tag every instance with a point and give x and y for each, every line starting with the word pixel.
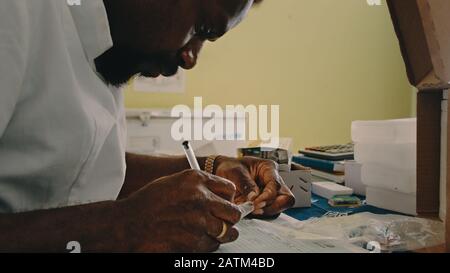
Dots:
pixel 320 206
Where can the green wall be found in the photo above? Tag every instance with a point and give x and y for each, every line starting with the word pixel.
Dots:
pixel 325 62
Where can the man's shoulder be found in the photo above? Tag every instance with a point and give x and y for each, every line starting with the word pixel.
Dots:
pixel 29 10
pixel 17 15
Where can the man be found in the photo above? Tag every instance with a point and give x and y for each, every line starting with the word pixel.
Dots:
pixel 62 157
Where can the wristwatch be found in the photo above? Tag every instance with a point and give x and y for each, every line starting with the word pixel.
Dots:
pixel 209 164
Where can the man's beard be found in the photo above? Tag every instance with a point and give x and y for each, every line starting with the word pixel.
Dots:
pixel 119 64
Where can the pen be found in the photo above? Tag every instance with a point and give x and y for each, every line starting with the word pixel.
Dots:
pixel 245 208
pixel 191 156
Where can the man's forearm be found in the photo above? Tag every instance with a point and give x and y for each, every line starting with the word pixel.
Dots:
pixel 142 169
pixel 94 226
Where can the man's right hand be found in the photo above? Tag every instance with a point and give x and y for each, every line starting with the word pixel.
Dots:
pixel 184 212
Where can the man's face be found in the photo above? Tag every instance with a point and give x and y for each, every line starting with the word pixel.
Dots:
pixel 155 37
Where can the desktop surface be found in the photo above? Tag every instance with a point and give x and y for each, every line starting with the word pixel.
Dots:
pixel 320 207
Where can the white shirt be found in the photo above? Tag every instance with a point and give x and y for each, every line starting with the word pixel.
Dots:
pixel 62 129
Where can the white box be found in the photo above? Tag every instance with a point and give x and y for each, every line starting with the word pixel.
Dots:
pixel 385 131
pixel 380 176
pixel 330 189
pixel 353 177
pixel 395 155
pixel 391 200
pixel 299 182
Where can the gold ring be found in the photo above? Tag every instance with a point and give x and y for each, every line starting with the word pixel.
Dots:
pixel 224 231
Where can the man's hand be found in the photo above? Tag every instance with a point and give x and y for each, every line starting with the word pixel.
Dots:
pixel 256 180
pixel 184 212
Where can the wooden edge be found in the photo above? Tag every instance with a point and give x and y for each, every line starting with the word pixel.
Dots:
pixel 447 218
pixel 434 249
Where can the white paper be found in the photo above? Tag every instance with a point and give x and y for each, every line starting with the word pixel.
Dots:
pixel 257 236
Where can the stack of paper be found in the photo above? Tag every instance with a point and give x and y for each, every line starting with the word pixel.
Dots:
pixel 267 237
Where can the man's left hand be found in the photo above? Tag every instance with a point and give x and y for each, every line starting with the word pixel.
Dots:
pixel 256 180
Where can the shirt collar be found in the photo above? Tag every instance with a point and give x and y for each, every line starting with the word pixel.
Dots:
pixel 93 29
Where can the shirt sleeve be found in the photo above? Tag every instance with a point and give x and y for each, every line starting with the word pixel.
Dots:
pixel 14 33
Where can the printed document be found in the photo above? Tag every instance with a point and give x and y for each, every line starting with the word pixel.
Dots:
pixel 256 236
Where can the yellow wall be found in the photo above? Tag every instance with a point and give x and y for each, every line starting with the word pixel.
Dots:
pixel 325 62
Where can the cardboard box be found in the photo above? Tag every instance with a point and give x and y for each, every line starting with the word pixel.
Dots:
pixel 300 183
pixel 423 30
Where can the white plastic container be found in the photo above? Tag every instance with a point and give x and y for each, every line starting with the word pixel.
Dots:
pixel 386 131
pixel 388 154
pixel 330 189
pixel 391 200
pixel 385 177
pixel 353 177
pixel 395 155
